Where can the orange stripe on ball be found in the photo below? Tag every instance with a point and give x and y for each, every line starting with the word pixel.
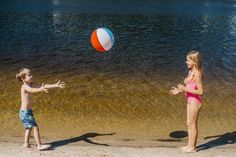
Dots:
pixel 95 42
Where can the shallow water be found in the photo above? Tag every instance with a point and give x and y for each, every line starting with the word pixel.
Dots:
pixel 126 89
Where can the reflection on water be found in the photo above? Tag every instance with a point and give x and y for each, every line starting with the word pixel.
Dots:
pixel 182 7
pixel 126 89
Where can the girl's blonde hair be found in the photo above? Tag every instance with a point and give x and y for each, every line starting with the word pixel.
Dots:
pixel 196 58
pixel 21 74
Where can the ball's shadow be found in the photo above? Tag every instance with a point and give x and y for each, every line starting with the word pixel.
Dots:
pixel 178 134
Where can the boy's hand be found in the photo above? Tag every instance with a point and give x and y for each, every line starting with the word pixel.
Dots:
pixel 174 91
pixel 43 88
pixel 60 84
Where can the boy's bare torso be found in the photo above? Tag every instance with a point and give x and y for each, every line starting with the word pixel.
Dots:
pixel 26 98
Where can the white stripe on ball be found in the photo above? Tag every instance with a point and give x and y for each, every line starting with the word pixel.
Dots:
pixel 104 39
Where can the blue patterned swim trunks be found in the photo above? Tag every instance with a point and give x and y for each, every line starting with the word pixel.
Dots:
pixel 27 118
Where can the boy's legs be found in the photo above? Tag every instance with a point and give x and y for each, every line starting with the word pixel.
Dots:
pixel 37 135
pixel 27 137
pixel 38 139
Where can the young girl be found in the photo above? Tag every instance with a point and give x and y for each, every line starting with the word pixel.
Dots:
pixel 193 90
pixel 26 114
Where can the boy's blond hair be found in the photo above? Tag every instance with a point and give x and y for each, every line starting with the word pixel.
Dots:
pixel 21 74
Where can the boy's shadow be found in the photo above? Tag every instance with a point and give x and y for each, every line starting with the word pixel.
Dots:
pixel 84 138
pixel 227 138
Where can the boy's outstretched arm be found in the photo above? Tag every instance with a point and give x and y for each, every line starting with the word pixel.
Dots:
pixel 59 84
pixel 35 90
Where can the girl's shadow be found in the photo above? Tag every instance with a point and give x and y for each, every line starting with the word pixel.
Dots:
pixel 84 138
pixel 227 138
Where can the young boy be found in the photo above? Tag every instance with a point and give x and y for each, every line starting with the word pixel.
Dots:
pixel 26 114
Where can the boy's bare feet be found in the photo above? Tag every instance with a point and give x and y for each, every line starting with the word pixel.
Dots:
pixel 43 147
pixel 26 146
pixel 189 150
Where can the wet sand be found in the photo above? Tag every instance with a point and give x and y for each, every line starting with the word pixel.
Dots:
pixel 135 107
pixel 103 114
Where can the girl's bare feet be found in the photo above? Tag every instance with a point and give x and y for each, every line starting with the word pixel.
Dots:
pixel 43 147
pixel 185 147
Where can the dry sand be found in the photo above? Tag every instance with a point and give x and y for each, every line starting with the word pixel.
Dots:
pixel 14 148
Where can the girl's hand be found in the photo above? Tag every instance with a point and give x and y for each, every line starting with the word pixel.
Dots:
pixel 185 81
pixel 60 84
pixel 174 91
pixel 43 88
pixel 181 87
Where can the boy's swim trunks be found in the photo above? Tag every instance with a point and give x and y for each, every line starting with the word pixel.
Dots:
pixel 27 118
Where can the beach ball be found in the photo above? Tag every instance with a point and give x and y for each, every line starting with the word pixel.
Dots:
pixel 102 39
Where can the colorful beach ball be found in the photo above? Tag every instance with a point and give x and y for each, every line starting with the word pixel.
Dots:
pixel 102 39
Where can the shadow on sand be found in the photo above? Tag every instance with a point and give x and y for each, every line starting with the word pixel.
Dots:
pixel 176 136
pixel 84 138
pixel 227 138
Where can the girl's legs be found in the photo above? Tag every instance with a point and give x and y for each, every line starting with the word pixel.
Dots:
pixel 188 127
pixel 27 137
pixel 194 109
pixel 38 139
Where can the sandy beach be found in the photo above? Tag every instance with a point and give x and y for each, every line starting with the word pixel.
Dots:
pixel 15 150
pixel 100 148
